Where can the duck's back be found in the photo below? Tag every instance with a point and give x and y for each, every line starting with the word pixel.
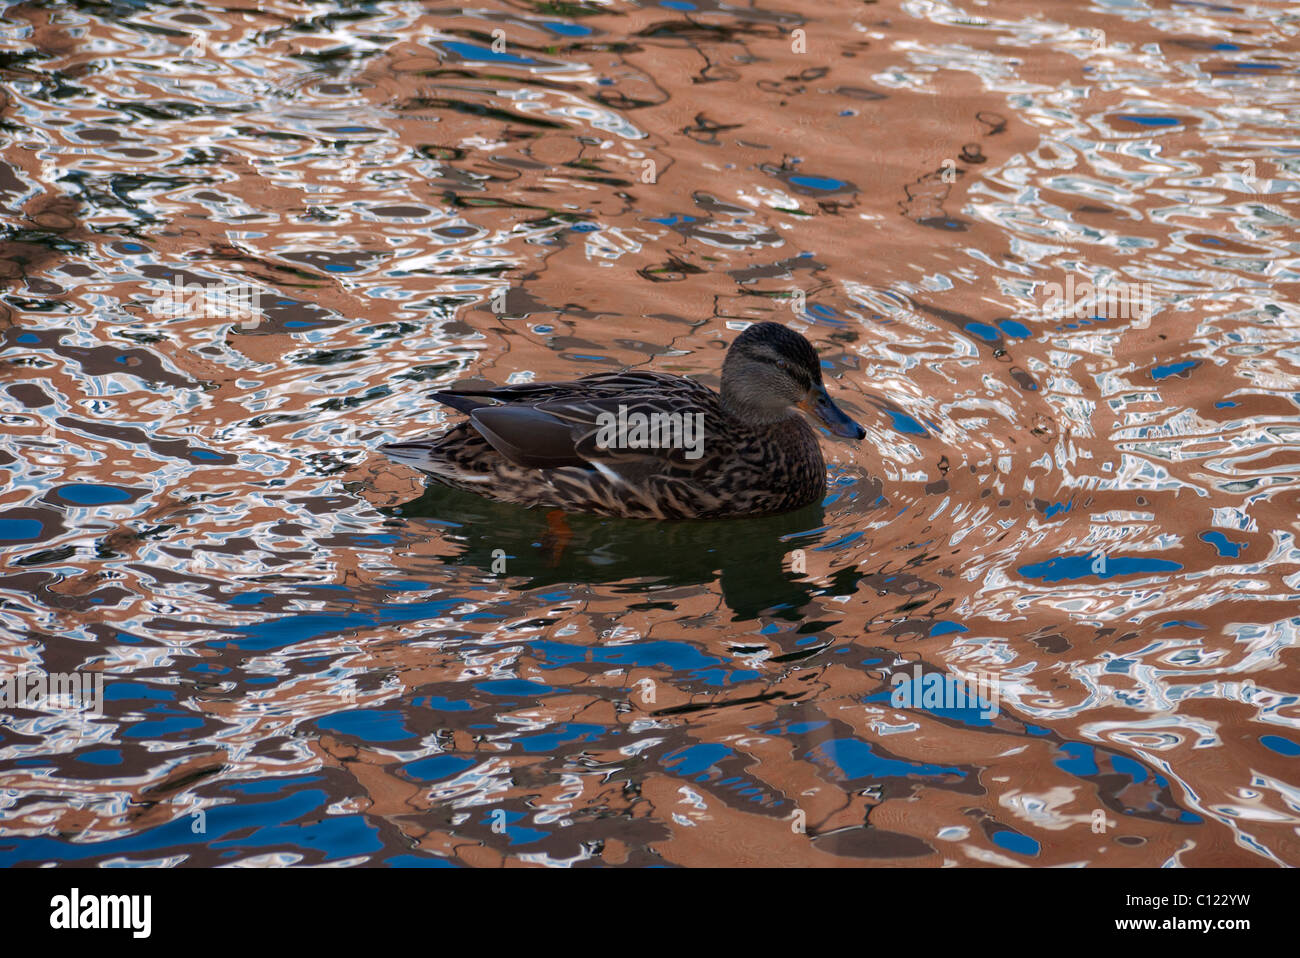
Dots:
pixel 633 444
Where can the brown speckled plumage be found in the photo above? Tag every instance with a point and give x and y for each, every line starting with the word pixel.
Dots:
pixel 536 444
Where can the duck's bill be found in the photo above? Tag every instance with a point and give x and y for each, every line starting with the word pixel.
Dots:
pixel 822 408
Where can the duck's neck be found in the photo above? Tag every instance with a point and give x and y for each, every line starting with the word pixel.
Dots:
pixel 755 415
pixel 746 404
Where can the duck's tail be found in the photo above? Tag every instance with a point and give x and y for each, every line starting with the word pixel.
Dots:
pixel 463 402
pixel 431 453
pixel 413 453
pixel 453 457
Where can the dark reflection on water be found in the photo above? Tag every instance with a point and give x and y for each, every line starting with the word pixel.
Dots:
pixel 751 559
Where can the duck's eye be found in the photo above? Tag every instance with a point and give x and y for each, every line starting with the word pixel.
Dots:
pixel 782 364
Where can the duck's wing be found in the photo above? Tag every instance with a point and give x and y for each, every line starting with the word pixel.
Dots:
pixel 529 436
pixel 467 397
pixel 630 424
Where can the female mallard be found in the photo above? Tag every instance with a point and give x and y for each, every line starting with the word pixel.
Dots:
pixel 647 445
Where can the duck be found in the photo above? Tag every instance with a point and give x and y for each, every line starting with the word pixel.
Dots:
pixel 639 444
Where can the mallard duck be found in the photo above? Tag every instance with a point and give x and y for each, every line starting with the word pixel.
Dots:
pixel 647 445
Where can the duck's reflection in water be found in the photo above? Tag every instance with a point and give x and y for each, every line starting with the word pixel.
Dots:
pixel 755 561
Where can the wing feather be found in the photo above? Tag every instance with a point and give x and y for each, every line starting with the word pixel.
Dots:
pixel 554 425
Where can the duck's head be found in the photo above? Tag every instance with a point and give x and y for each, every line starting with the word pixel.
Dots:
pixel 770 371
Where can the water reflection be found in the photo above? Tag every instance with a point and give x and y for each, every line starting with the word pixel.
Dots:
pixel 752 560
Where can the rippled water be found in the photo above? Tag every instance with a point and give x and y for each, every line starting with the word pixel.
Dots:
pixel 310 658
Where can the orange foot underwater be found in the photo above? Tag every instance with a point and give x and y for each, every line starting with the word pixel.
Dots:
pixel 558 534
